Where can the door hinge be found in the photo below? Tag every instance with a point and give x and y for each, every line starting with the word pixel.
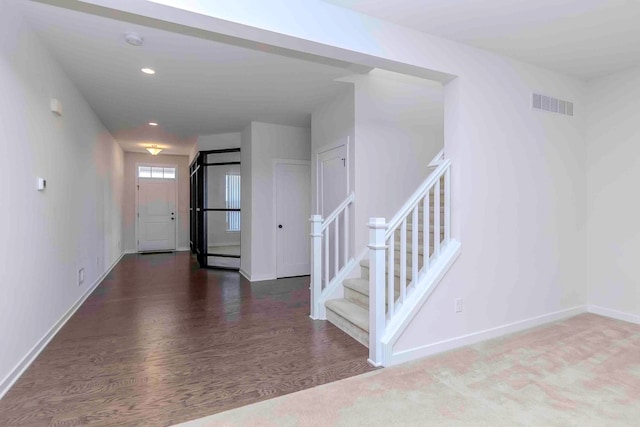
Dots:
pixel 344 162
pixel 138 214
pixel 138 187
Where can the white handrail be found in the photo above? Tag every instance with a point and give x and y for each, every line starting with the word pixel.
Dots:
pixel 416 197
pixel 337 211
pixel 437 159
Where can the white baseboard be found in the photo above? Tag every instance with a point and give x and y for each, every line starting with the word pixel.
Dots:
pixel 261 278
pixel 28 359
pixel 133 251
pixel 614 314
pixel 476 337
pixel 245 274
pixel 256 278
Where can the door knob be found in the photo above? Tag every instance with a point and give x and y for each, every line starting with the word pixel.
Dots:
pixel 280 226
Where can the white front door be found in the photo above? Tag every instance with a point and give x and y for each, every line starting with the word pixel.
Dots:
pixel 156 214
pixel 293 182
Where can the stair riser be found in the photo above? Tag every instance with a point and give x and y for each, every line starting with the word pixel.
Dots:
pixel 356 297
pixel 348 328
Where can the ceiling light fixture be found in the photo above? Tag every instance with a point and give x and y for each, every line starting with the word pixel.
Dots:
pixel 153 124
pixel 134 39
pixel 154 150
pixel 148 71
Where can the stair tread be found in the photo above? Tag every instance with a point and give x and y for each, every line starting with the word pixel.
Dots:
pixel 359 285
pixel 350 311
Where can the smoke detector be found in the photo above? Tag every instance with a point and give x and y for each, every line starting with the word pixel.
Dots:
pixel 134 39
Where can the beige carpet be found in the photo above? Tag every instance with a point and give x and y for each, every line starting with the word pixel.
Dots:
pixel 584 371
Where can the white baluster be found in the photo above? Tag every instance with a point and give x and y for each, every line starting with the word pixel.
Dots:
pixel 403 260
pixel 325 260
pixel 316 266
pixel 345 251
pixel 436 219
pixel 415 246
pixel 391 280
pixel 336 246
pixel 377 252
pixel 447 206
pixel 426 224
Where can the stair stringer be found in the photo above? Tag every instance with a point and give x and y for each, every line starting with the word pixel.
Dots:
pixel 416 299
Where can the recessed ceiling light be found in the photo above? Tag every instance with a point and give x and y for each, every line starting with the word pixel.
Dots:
pixel 148 71
pixel 153 124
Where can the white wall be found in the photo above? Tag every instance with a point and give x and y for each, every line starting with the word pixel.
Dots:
pixel 246 215
pixel 398 130
pixel 268 142
pixel 519 198
pixel 518 177
pixel 333 123
pixel 217 141
pixel 76 222
pixel 129 226
pixel 613 210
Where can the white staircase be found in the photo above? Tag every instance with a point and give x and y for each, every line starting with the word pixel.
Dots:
pixel 351 313
pixel 403 267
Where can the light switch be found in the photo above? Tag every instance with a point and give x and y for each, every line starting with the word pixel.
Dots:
pixel 56 107
pixel 42 184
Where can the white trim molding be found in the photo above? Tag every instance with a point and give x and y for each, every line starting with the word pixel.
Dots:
pixel 614 314
pixel 28 359
pixel 245 274
pixel 258 278
pixel 476 337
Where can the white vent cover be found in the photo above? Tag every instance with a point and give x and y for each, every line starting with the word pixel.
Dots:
pixel 553 105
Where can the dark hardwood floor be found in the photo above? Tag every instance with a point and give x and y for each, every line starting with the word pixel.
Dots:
pixel 161 342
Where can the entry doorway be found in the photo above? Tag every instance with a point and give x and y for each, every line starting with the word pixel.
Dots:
pixel 292 206
pixel 156 202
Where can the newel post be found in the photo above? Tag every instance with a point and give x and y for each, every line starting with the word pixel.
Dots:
pixel 377 315
pixel 316 266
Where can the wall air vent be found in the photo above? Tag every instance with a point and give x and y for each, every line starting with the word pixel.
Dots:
pixel 553 105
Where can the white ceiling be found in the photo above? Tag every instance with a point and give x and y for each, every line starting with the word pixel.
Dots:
pixel 582 38
pixel 201 87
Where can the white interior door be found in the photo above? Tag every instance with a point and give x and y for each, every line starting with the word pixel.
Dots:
pixel 332 190
pixel 156 214
pixel 293 182
pixel 332 179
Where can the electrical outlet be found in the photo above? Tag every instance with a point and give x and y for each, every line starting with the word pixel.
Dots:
pixel 458 306
pixel 80 276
